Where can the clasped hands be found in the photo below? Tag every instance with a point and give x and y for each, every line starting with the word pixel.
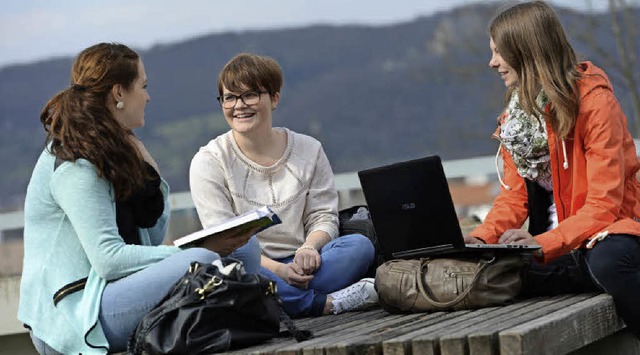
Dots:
pixel 299 272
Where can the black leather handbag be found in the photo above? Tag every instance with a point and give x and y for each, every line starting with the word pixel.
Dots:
pixel 213 308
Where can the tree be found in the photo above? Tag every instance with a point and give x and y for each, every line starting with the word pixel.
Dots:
pixel 626 35
pixel 620 57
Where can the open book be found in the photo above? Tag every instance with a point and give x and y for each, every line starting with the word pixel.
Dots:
pixel 262 217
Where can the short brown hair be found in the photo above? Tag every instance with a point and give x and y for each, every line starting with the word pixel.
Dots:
pixel 248 71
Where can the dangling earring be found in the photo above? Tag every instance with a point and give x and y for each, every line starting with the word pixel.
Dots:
pixel 120 105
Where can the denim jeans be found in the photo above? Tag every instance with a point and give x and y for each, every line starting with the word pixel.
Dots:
pixel 345 260
pixel 612 266
pixel 41 347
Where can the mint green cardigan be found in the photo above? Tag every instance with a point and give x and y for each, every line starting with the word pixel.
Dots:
pixel 70 233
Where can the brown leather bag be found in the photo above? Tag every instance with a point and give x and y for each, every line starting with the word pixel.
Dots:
pixel 440 284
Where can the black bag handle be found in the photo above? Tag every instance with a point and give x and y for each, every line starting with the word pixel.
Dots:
pixel 292 329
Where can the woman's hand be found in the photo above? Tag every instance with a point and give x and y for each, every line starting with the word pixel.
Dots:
pixel 227 242
pixel 292 274
pixel 472 240
pixel 308 258
pixel 517 236
pixel 520 236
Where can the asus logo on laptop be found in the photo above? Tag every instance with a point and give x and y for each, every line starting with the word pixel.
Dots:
pixel 408 206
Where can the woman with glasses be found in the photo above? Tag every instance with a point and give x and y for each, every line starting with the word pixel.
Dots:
pixel 96 214
pixel 256 164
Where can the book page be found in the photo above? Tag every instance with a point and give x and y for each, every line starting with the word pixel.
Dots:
pixel 263 217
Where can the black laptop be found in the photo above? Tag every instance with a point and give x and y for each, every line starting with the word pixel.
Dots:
pixel 413 213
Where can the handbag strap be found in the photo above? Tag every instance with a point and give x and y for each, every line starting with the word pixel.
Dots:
pixel 482 264
pixel 292 329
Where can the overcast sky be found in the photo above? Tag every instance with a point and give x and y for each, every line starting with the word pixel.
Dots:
pixel 32 30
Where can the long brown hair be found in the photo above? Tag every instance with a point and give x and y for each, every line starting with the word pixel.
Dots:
pixel 79 124
pixel 530 38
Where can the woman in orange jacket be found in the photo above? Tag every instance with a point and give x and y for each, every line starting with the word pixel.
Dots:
pixel 570 165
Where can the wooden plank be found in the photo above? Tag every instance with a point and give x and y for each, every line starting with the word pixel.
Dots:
pixel 320 326
pixel 454 341
pixel 317 345
pixel 371 343
pixel 565 330
pixel 370 340
pixel 330 320
pixel 484 333
pixel 485 341
pixel 364 345
pixel 399 344
pixel 333 333
pixel 482 338
pixel 431 342
pixel 427 337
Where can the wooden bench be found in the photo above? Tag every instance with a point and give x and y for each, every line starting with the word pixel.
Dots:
pixel 550 325
pixel 577 324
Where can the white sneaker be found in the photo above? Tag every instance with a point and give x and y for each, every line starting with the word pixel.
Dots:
pixel 359 296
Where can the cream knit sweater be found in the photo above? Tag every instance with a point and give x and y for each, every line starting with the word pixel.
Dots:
pixel 299 187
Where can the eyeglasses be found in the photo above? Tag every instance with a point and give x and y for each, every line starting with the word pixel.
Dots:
pixel 248 98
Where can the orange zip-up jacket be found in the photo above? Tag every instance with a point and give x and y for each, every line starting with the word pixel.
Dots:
pixel 595 188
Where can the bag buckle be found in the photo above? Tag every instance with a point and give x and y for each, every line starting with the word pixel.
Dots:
pixel 272 289
pixel 210 285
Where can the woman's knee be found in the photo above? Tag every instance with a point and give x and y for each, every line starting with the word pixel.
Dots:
pixel 359 245
pixel 252 248
pixel 614 256
pixel 362 243
pixel 249 254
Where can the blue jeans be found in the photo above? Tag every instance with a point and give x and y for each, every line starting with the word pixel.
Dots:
pixel 41 347
pixel 612 266
pixel 127 300
pixel 345 260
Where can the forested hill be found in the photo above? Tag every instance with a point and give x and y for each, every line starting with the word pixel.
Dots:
pixel 371 95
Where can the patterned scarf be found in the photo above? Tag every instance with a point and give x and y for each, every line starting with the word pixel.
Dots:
pixel 525 137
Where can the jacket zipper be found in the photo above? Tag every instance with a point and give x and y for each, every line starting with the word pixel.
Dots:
pixel 559 182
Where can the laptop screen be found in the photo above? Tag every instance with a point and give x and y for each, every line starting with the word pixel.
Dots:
pixel 411 206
